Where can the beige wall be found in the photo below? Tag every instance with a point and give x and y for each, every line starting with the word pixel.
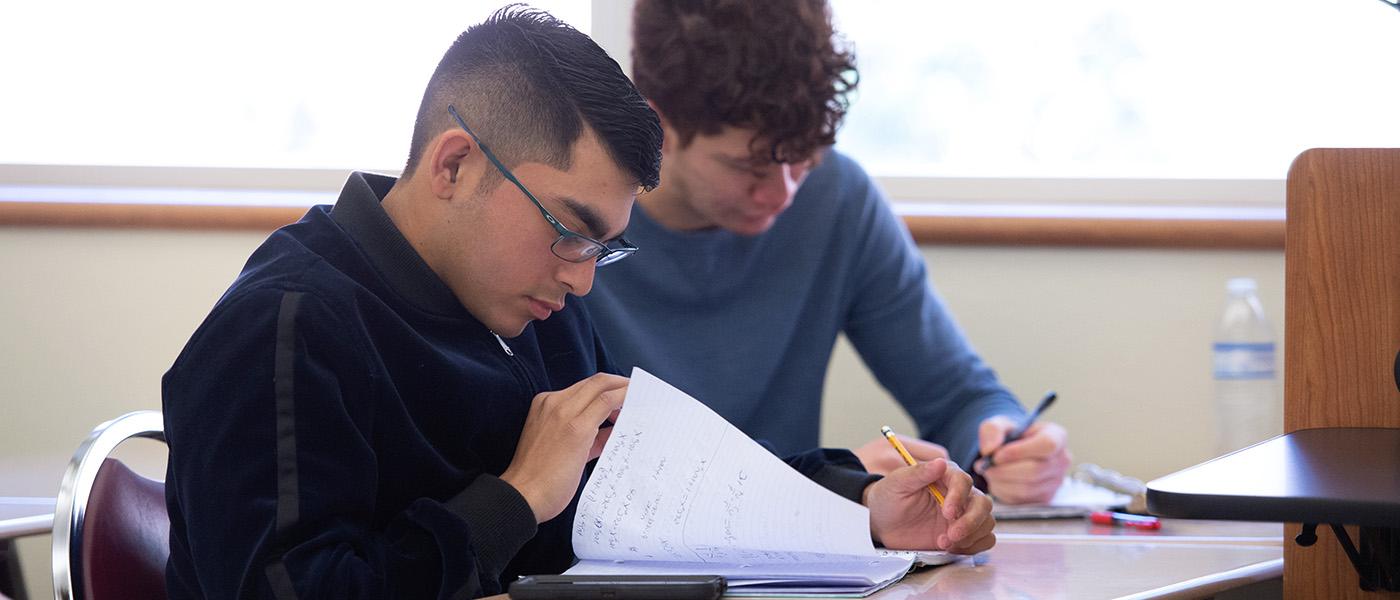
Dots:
pixel 1123 335
pixel 92 318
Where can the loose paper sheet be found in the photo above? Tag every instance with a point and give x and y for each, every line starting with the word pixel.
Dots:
pixel 676 482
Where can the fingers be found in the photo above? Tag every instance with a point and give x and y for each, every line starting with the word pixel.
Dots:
pixel 1041 440
pixel 878 456
pixel 589 401
pixel 596 385
pixel 874 455
pixel 979 538
pixel 957 492
pixel 992 433
pixel 921 450
pixel 1031 480
pixel 601 438
pixel 969 516
pixel 910 480
pixel 599 441
pixel 606 405
pixel 560 434
pixel 1030 469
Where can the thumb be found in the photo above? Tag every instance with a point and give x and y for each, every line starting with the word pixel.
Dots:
pixel 992 433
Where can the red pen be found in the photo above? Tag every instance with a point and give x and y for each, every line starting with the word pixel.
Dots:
pixel 1104 517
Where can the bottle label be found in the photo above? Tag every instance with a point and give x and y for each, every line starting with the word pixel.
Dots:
pixel 1244 361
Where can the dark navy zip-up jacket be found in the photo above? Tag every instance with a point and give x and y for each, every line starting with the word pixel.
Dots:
pixel 338 423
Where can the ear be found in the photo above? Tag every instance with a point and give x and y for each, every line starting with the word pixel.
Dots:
pixel 453 163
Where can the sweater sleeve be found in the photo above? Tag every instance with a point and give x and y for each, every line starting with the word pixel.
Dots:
pixel 904 333
pixel 272 475
pixel 837 470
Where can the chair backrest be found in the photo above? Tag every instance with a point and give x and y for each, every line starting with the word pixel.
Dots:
pixel 111 529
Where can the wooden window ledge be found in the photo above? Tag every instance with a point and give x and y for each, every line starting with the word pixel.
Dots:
pixel 930 223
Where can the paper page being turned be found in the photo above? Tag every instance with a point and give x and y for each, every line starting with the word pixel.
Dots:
pixel 676 482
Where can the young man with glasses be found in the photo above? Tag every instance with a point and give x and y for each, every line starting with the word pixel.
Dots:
pixel 763 244
pixel 398 396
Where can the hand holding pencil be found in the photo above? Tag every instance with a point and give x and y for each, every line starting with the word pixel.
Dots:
pixel 930 505
pixel 877 456
pixel 908 459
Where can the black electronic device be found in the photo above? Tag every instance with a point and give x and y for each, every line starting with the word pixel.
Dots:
pixel 618 587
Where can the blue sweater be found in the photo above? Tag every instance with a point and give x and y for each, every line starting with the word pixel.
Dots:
pixel 747 324
pixel 338 423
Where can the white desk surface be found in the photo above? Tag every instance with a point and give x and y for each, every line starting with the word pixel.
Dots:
pixel 1057 558
pixel 28 485
pixel 1075 559
pixel 24 515
pixel 1025 568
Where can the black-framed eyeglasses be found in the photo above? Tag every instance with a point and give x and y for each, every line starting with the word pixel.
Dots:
pixel 570 245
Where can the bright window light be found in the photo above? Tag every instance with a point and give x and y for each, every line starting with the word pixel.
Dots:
pixel 259 84
pixel 1194 89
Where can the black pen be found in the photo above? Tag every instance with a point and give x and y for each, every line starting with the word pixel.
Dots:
pixel 1020 430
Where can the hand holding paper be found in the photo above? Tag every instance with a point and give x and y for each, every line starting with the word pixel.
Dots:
pixel 561 434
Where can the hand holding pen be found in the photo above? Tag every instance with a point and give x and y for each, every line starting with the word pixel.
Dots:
pixel 1022 460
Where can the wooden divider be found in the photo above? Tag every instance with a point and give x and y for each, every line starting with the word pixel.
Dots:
pixel 1342 323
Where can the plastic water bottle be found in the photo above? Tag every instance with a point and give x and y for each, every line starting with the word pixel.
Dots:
pixel 1247 406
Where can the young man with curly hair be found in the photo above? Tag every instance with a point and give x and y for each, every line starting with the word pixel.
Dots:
pixel 763 244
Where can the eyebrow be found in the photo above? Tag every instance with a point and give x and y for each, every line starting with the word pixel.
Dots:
pixel 588 217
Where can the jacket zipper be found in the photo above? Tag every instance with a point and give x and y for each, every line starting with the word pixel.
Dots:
pixel 503 344
pixel 518 367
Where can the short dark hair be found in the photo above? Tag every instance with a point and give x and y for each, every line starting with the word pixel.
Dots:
pixel 774 66
pixel 528 84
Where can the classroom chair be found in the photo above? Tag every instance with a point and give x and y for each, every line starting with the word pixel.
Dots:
pixel 111 530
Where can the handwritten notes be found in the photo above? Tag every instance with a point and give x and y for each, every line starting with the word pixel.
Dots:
pixel 678 489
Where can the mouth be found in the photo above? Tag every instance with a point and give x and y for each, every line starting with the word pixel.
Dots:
pixel 541 310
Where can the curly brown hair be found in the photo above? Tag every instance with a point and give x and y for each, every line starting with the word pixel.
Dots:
pixel 774 66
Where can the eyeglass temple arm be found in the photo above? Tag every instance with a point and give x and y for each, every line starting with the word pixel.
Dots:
pixel 486 150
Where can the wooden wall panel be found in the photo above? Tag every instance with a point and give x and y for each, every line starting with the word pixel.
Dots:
pixel 1342 322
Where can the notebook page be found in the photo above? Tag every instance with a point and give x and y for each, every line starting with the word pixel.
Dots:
pixel 676 482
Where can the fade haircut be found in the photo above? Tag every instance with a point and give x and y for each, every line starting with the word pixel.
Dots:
pixel 528 84
pixel 774 66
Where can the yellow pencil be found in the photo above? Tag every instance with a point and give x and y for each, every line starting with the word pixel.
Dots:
pixel 909 458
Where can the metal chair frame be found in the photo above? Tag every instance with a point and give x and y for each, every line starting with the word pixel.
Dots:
pixel 78 479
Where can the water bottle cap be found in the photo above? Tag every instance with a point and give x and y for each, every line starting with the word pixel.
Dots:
pixel 1240 285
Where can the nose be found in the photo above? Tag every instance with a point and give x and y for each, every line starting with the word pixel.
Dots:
pixel 577 277
pixel 776 189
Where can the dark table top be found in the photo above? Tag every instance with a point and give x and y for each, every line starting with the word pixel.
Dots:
pixel 1347 475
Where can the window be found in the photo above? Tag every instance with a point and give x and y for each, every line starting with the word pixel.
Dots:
pixel 311 84
pixel 1182 90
